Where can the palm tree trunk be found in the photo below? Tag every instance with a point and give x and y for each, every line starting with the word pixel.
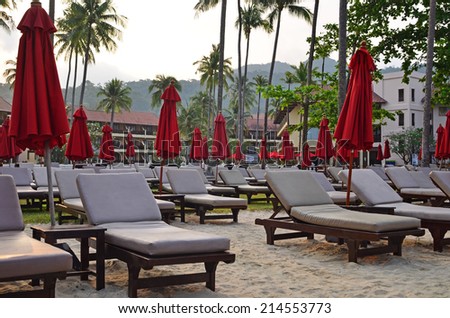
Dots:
pixel 86 62
pixel 68 76
pixel 112 119
pixel 51 13
pixel 428 86
pixel 257 116
pixel 309 74
pixel 74 83
pixel 221 53
pixel 342 87
pixel 240 84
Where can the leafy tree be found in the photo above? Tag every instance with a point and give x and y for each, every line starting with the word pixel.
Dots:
pixel 158 86
pixel 116 97
pixel 406 143
pixel 10 73
pixel 193 115
pixel 260 82
pixel 6 21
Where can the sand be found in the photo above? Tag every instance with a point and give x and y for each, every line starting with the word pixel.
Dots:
pixel 290 268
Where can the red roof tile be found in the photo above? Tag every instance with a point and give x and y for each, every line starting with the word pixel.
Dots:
pixel 136 118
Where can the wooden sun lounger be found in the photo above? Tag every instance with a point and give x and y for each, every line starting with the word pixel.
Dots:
pixel 301 195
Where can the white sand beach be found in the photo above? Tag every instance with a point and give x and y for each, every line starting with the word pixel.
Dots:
pixel 291 268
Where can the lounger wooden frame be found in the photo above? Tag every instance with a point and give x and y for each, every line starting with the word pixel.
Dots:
pixel 47 289
pixel 202 208
pixel 136 262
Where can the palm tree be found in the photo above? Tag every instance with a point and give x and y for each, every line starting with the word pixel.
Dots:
pixel 6 21
pixel 116 97
pixel 158 86
pixel 10 73
pixel 276 8
pixel 205 5
pixel 342 86
pixel 260 81
pixel 97 22
pixel 428 85
pixel 193 115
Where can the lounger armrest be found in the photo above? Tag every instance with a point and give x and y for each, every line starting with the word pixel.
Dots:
pixel 372 209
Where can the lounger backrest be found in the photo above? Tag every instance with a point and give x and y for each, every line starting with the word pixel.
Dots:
pixel 186 181
pixel 370 188
pixel 232 177
pixel 296 188
pixel 333 172
pixel 10 212
pixel 323 181
pixel 22 176
pixel 257 173
pixel 40 176
pixel 147 172
pixel 401 178
pixel 157 171
pixel 117 170
pixel 67 182
pixel 379 171
pixel 422 179
pixel 120 197
pixel 200 171
pixel 442 179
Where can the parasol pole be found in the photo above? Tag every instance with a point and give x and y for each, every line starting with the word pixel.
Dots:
pixel 349 179
pixel 48 164
pixel 161 176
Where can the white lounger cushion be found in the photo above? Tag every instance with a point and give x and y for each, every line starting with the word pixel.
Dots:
pixel 442 179
pixel 159 238
pixel 401 177
pixel 67 182
pixel 21 255
pixel 434 192
pixel 419 211
pixel 74 203
pixel 338 197
pixel 215 200
pixel 10 221
pixel 335 216
pixel 186 181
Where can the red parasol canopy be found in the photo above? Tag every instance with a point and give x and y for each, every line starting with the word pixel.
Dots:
pixel 387 149
pixel 438 153
pixel 205 152
pixel 286 148
pixel 130 152
pixel 446 139
pixel 196 145
pixel 274 155
pixel 220 146
pixel 8 149
pixel 344 154
pixel 324 148
pixel 380 155
pixel 168 143
pixel 419 156
pixel 306 156
pixel 263 154
pixel 38 114
pixel 79 146
pixel 238 155
pixel 354 127
pixel 106 146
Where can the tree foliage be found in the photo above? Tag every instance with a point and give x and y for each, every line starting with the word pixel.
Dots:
pixel 406 143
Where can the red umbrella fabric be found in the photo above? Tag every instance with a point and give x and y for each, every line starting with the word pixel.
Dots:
pixel 419 157
pixel 196 145
pixel 354 127
pixel 263 154
pixel 205 152
pixel 324 148
pixel 446 139
pixel 387 149
pixel 130 152
pixel 274 155
pixel 343 154
pixel 107 146
pixel 306 156
pixel 286 147
pixel 8 148
pixel 168 143
pixel 380 155
pixel 220 146
pixel 238 155
pixel 38 113
pixel 79 146
pixel 438 152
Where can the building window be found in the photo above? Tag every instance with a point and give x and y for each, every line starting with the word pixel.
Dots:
pixel 401 119
pixel 413 119
pixel 443 111
pixel 413 95
pixel 377 133
pixel 401 95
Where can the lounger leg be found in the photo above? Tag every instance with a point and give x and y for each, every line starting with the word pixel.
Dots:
pixel 49 287
pixel 438 234
pixel 235 214
pixel 396 242
pixel 270 232
pixel 249 198
pixel 133 277
pixel 352 246
pixel 211 271
pixel 201 211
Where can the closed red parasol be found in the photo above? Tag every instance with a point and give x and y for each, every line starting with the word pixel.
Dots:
pixel 324 147
pixel 196 145
pixel 8 148
pixel 306 157
pixel 286 148
pixel 107 146
pixel 168 143
pixel 438 153
pixel 130 152
pixel 263 154
pixel 387 149
pixel 38 114
pixel 354 127
pixel 79 146
pixel 205 152
pixel 220 147
pixel 446 138
pixel 238 155
pixel 380 155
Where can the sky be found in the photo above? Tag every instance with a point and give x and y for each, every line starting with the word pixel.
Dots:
pixel 166 37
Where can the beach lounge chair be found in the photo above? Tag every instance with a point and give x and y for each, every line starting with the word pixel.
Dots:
pixel 332 172
pixel 338 197
pixel 374 192
pixel 41 181
pixel 213 189
pixel 70 197
pixel 233 178
pixel 414 186
pixel 380 171
pixel 22 257
pixel 442 180
pixel 125 206
pixel 312 211
pixel 259 175
pixel 189 183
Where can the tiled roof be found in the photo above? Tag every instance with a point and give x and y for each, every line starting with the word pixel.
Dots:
pixel 4 105
pixel 136 118
pixel 251 123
